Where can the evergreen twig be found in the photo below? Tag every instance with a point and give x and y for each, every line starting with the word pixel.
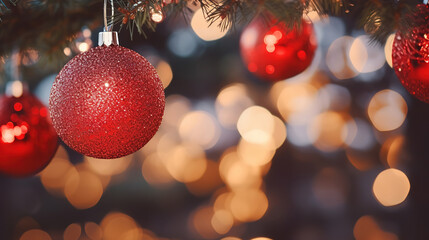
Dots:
pixel 48 25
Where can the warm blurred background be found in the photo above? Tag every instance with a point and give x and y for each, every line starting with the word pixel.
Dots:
pixel 335 153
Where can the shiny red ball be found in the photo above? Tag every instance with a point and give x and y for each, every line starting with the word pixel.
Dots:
pixel 273 52
pixel 410 55
pixel 27 138
pixel 107 102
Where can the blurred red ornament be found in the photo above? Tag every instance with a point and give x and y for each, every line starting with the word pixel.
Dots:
pixel 410 55
pixel 273 52
pixel 107 102
pixel 27 138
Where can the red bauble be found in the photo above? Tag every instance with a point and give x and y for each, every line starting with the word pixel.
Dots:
pixel 27 139
pixel 410 55
pixel 107 102
pixel 273 52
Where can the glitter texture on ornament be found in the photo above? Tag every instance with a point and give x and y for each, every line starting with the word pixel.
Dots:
pixel 107 102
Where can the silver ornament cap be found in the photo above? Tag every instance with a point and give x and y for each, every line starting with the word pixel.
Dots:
pixel 108 38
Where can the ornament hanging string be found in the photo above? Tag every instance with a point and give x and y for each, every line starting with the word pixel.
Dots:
pixel 108 28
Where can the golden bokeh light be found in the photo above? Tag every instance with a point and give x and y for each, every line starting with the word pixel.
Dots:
pixel 231 238
pixel 202 222
pixel 361 160
pixel 93 231
pixel 134 234
pixel 186 162
pixel 35 234
pixel 205 30
pixel 117 225
pixel 261 238
pixel 199 127
pixel 83 190
pixel 104 179
pixel 209 182
pixel 395 151
pixel 240 175
pixel 109 167
pixel 350 132
pixel 360 134
pixel 387 110
pixel 365 56
pixel 366 228
pixel 176 107
pixel 248 205
pixel 231 102
pixel 149 235
pixel 279 133
pixel 391 187
pixel 72 232
pixel 256 125
pixel 26 223
pixel 327 131
pixel 358 55
pixel 86 33
pixel 338 60
pixel 255 154
pixel 334 97
pixel 16 88
pixel 152 145
pixel 168 141
pixel 165 73
pixel 297 102
pixel 223 201
pixel 237 174
pixel 55 175
pixel 388 49
pixel 313 17
pixel 67 51
pixel 392 152
pixel 82 46
pixel 156 15
pixel 155 172
pixel 275 91
pixel 222 221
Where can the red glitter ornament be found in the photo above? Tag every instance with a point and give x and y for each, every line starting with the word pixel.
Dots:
pixel 107 102
pixel 27 139
pixel 273 52
pixel 410 55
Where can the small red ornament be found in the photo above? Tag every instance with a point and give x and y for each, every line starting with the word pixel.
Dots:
pixel 27 139
pixel 273 52
pixel 107 102
pixel 410 55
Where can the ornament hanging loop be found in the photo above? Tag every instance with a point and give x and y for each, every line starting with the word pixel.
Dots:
pixel 108 27
pixel 108 37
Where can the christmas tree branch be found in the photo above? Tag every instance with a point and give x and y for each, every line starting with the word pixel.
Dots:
pixel 48 25
pixel 5 6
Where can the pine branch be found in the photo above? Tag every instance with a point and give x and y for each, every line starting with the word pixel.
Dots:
pixel 5 6
pixel 48 25
pixel 380 18
pixel 329 7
